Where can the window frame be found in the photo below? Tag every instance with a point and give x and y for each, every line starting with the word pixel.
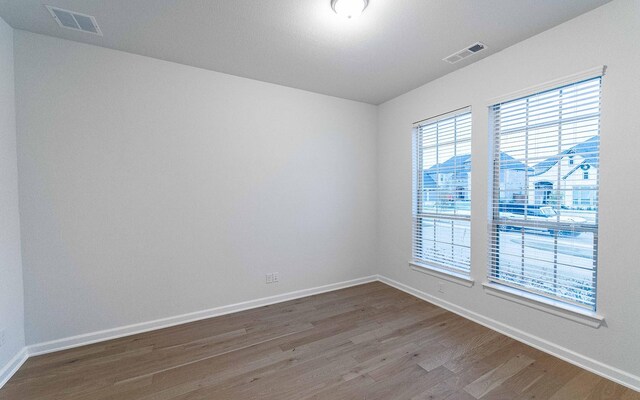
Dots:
pixel 514 292
pixel 442 271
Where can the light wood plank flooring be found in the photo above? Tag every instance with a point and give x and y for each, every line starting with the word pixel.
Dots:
pixel 365 342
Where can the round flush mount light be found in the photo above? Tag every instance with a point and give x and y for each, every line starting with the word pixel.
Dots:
pixel 349 8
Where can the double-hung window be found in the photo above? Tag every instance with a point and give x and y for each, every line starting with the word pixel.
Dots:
pixel 442 192
pixel 544 230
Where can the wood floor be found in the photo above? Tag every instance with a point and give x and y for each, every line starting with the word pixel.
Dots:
pixel 365 342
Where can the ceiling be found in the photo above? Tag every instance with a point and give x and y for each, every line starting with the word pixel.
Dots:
pixel 393 47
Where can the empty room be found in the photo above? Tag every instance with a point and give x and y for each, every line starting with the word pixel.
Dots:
pixel 319 199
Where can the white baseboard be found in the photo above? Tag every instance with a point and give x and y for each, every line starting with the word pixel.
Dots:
pixel 12 366
pixel 597 367
pixel 565 354
pixel 114 333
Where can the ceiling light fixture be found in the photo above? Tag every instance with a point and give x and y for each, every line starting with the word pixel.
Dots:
pixel 349 8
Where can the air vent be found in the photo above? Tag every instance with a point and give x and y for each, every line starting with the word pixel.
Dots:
pixel 464 53
pixel 75 21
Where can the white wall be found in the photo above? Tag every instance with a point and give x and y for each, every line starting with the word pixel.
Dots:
pixel 150 189
pixel 11 289
pixel 607 35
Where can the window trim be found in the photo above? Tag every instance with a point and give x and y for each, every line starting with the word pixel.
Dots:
pixel 554 83
pixel 548 305
pixel 447 275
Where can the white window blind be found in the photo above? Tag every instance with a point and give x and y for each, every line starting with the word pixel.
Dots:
pixel 544 231
pixel 441 192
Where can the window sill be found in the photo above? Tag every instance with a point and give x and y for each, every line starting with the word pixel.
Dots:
pixel 554 307
pixel 441 273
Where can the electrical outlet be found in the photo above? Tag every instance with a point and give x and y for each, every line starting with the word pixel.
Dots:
pixel 2 338
pixel 276 277
pixel 272 277
pixel 441 287
pixel 269 278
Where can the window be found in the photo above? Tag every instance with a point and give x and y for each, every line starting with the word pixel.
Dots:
pixel 441 192
pixel 584 196
pixel 545 218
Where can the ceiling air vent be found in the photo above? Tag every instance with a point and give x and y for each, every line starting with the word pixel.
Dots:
pixel 464 53
pixel 76 21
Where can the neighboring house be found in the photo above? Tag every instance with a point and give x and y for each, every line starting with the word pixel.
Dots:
pixel 513 175
pixel 429 187
pixel 577 171
pixel 450 180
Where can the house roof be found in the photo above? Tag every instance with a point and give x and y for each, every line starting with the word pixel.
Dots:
pixel 587 149
pixel 508 162
pixel 427 180
pixel 462 164
pixel 455 163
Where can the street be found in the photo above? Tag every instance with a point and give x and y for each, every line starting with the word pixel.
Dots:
pixel 561 265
